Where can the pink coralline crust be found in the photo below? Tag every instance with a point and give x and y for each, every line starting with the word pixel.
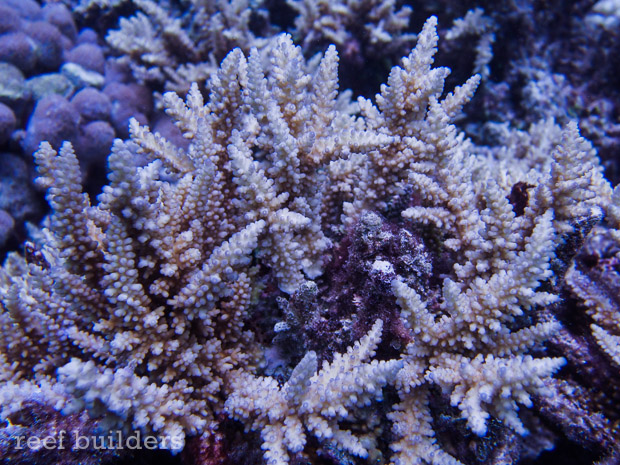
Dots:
pixel 587 400
pixel 360 285
pixel 356 287
pixel 205 451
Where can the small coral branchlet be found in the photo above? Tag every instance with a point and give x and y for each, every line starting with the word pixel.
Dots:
pixel 314 401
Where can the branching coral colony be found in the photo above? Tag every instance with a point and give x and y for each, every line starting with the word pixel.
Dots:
pixel 137 309
pixel 174 50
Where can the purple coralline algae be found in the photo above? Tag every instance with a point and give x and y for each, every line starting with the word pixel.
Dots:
pixel 50 70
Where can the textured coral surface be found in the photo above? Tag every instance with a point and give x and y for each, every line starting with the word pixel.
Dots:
pixel 242 260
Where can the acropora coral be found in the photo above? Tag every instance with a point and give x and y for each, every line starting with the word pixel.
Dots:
pixel 300 277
